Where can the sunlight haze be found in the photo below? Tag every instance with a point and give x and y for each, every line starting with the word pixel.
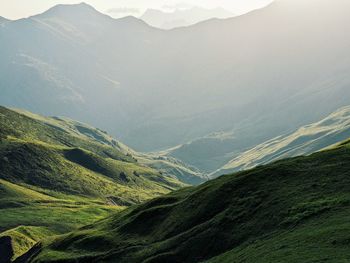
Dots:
pixel 15 9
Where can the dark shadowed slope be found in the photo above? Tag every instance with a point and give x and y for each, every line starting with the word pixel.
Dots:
pixel 295 210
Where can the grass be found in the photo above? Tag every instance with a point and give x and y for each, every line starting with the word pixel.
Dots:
pixel 68 157
pixel 295 210
pixel 28 216
pixel 58 175
pixel 24 237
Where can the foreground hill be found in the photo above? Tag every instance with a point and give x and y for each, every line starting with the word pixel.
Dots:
pixel 57 174
pixel 305 140
pixel 295 210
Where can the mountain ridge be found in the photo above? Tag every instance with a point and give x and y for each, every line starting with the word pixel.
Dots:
pixel 182 17
pixel 58 174
pixel 305 140
pixel 228 219
pixel 180 103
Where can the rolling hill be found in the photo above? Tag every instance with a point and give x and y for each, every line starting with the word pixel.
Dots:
pixel 261 74
pixel 295 209
pixel 57 174
pixel 304 141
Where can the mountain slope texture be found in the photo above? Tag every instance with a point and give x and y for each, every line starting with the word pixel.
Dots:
pixel 306 140
pixel 57 174
pixel 295 210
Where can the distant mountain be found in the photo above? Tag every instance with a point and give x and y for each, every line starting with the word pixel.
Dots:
pixel 306 140
pixel 182 17
pixel 258 75
pixel 3 20
pixel 209 153
pixel 296 210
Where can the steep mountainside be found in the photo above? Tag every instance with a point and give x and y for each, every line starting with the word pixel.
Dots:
pixel 306 140
pixel 57 174
pixel 167 166
pixel 296 210
pixel 212 77
pixel 73 158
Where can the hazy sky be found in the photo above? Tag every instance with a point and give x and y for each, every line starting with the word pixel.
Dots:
pixel 15 9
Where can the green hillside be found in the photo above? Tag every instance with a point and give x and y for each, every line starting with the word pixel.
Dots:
pixel 57 174
pixel 295 210
pixel 305 140
pixel 168 166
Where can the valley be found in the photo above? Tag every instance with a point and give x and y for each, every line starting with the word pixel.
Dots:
pixel 58 174
pixel 297 209
pixel 198 135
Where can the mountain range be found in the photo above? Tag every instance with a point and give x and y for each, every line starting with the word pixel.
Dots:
pixel 182 17
pixel 253 77
pixel 262 97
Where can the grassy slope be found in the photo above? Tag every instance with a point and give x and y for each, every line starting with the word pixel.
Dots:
pixel 168 166
pixel 306 140
pixel 295 210
pixel 47 154
pixel 57 175
pixel 27 216
pixel 172 167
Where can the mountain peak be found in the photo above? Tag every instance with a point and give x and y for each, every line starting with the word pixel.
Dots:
pixel 71 10
pixel 3 20
pixel 182 17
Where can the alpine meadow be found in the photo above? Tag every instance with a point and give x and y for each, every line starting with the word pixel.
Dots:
pixel 161 131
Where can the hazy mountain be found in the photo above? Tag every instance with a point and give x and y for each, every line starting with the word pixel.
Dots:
pixel 182 17
pixel 296 210
pixel 3 20
pixel 263 74
pixel 306 140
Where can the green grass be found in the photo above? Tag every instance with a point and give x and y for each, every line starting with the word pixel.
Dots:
pixel 58 175
pixel 295 210
pixel 25 237
pixel 303 141
pixel 28 216
pixel 72 158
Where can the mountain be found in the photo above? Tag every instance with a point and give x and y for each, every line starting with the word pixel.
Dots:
pixel 258 75
pixel 3 20
pixel 57 174
pixel 305 140
pixel 296 210
pixel 172 167
pixel 210 152
pixel 182 17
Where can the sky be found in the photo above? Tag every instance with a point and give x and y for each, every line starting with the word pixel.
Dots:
pixel 15 9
